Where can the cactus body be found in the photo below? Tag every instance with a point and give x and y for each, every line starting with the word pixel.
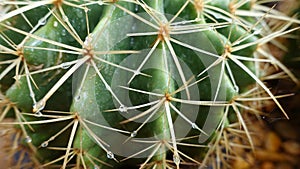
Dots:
pixel 149 84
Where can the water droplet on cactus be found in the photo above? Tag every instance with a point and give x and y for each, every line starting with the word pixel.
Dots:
pixel 194 126
pixel 131 41
pixel 123 109
pixel 88 40
pixel 55 23
pixel 28 139
pixel 96 167
pixel 257 32
pixel 77 98
pixel 133 134
pixel 32 95
pixel 110 155
pixel 8 23
pixel 100 3
pixel 65 18
pixel 42 21
pixel 38 114
pixel 176 159
pixel 236 88
pixel 136 8
pixel 38 106
pixel 65 65
pixel 79 14
pixel 44 144
pixel 63 32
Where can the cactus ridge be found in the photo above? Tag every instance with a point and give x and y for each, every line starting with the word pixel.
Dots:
pixel 130 83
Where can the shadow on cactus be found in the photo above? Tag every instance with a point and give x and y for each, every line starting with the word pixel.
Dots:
pixel 139 84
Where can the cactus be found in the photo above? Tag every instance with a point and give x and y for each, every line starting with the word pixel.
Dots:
pixel 130 83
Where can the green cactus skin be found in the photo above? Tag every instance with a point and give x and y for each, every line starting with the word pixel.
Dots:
pixel 130 83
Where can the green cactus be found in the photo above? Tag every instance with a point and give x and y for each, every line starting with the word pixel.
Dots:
pixel 130 83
